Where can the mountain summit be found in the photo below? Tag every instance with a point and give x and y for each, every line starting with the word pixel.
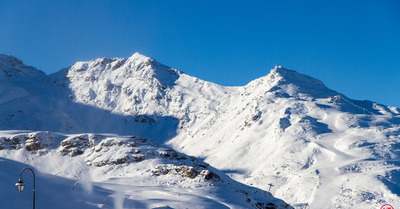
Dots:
pixel 13 69
pixel 285 133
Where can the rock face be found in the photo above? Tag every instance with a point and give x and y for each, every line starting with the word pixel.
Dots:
pixel 317 147
pixel 35 142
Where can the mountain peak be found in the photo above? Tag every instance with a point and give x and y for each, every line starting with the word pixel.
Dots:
pixel 12 68
pixel 5 58
pixel 305 83
pixel 107 82
pixel 137 55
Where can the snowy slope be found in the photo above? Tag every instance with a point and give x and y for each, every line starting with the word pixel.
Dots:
pixel 317 151
pixel 286 133
pixel 127 171
pixel 112 171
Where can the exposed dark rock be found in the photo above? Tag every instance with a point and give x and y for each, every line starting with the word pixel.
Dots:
pixel 75 145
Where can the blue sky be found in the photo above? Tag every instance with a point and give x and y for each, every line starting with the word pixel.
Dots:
pixel 352 46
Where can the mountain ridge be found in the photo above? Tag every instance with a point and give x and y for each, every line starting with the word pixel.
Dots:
pixel 13 68
pixel 313 144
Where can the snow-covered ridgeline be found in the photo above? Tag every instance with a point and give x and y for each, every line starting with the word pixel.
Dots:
pixel 285 132
pixel 135 86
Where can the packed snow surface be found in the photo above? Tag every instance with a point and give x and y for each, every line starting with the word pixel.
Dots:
pixel 133 133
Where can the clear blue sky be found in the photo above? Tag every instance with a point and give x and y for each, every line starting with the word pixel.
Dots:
pixel 352 46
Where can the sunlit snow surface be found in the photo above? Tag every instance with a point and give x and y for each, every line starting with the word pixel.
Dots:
pixel 111 171
pixel 107 130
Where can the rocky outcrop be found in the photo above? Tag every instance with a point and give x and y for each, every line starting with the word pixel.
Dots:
pixel 35 142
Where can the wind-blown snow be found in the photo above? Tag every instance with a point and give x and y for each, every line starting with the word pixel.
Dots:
pixel 285 133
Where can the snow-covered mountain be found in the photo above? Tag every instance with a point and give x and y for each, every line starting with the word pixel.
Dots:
pixel 282 139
